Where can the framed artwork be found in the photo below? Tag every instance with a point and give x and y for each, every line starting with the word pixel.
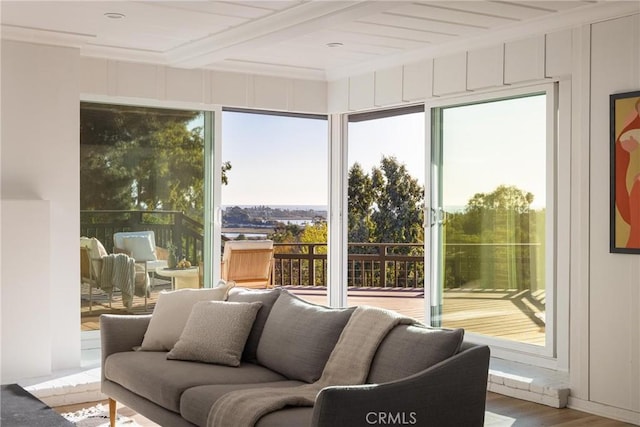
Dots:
pixel 625 172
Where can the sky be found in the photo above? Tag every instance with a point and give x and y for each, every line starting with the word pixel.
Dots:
pixel 279 160
pixel 275 160
pixel 490 144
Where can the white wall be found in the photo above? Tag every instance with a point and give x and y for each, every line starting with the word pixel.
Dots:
pixel 532 59
pixel 40 152
pixel 105 80
pixel 614 285
pixel 27 290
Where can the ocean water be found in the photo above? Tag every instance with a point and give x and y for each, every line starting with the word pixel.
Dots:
pixel 284 207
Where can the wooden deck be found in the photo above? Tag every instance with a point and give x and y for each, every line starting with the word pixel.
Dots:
pixel 505 314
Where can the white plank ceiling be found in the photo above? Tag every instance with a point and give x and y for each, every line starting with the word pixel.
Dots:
pixel 289 37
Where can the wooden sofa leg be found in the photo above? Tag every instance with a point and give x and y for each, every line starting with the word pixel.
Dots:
pixel 112 412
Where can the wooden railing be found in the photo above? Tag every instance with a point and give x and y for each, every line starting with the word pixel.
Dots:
pixel 369 265
pixel 386 265
pixel 168 226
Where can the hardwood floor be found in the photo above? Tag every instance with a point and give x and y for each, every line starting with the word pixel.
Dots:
pixel 502 411
pixel 506 411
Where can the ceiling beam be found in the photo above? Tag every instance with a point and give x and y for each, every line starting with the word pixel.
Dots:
pixel 296 21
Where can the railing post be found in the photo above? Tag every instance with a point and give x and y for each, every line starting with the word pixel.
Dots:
pixel 312 264
pixel 176 238
pixel 382 254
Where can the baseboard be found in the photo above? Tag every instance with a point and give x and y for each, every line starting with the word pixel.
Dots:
pixel 607 411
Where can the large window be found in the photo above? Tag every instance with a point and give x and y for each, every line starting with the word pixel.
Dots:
pixel 142 170
pixel 275 186
pixel 491 217
pixel 386 169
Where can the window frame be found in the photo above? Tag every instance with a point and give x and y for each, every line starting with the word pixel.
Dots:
pixel 550 355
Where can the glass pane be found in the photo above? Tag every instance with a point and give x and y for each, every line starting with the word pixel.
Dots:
pixel 385 204
pixel 275 187
pixel 493 192
pixel 141 170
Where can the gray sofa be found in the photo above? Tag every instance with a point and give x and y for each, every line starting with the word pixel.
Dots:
pixel 419 376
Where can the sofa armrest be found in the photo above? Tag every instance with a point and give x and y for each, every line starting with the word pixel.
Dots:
pixel 120 333
pixel 450 393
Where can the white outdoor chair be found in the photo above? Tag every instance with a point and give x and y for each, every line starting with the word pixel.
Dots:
pixel 141 246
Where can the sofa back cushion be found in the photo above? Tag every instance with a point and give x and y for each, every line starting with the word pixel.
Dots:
pixel 267 298
pixel 298 337
pixel 409 349
pixel 172 311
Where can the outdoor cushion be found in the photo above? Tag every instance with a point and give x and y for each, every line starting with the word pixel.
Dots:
pixel 140 247
pixel 298 337
pixel 216 332
pixel 172 311
pixel 150 375
pixel 409 349
pixel 196 402
pixel 267 298
pixel 96 252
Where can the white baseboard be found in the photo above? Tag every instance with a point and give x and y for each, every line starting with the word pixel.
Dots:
pixel 607 411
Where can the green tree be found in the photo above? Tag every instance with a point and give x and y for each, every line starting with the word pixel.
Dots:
pixel 360 205
pixel 499 216
pixel 315 233
pixel 142 158
pixel 504 226
pixel 398 216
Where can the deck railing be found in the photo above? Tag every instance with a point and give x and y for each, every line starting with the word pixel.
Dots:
pixel 385 265
pixel 369 264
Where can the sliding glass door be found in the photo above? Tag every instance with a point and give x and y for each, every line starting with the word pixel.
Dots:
pixel 490 217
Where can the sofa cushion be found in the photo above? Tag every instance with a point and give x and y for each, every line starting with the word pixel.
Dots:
pixel 267 298
pixel 216 332
pixel 409 349
pixel 172 311
pixel 151 375
pixel 298 337
pixel 196 402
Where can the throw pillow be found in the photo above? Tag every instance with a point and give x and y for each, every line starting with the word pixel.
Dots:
pixel 267 297
pixel 140 248
pixel 298 337
pixel 216 332
pixel 172 311
pixel 407 350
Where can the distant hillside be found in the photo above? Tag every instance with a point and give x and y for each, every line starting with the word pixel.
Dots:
pixel 268 216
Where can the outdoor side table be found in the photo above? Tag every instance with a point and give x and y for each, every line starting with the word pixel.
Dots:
pixel 181 278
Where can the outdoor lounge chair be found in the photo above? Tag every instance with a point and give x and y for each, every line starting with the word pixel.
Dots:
pixel 249 263
pixel 89 268
pixel 92 256
pixel 141 246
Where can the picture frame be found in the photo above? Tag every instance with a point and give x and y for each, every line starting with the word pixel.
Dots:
pixel 624 122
